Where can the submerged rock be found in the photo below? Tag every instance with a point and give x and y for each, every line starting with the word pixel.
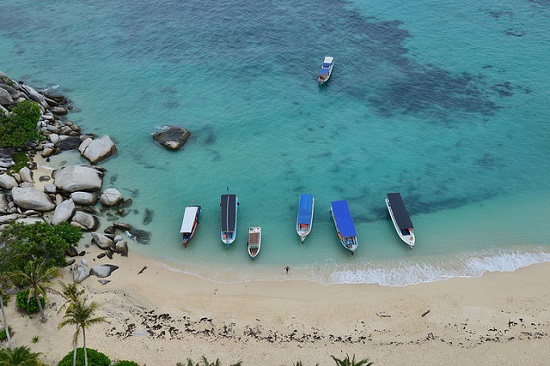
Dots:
pixel 172 137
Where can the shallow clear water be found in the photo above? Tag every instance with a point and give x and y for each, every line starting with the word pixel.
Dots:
pixel 445 103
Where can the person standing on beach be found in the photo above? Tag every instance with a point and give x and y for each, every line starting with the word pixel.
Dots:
pixel 287 268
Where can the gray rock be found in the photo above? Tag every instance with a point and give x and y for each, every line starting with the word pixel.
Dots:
pixel 98 149
pixel 103 270
pixel 140 236
pixel 71 252
pixel 172 137
pixel 122 226
pixel 26 175
pixel 5 97
pixel 30 220
pixel 68 142
pixel 7 181
pixel 50 188
pixel 78 178
pixel 111 197
pixel 121 247
pixel 81 271
pixel 63 212
pixel 32 199
pixel 104 282
pixel 84 198
pixel 4 203
pixel 6 219
pixel 85 221
pixel 102 241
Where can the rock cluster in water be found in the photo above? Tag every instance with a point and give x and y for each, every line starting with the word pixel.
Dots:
pixel 70 194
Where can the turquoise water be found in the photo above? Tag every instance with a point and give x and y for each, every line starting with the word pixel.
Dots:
pixel 445 103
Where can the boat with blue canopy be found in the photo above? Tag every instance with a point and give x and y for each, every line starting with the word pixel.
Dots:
pixel 304 220
pixel 326 70
pixel 228 208
pixel 400 218
pixel 344 224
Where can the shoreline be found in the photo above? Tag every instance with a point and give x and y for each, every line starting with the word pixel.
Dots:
pixel 161 317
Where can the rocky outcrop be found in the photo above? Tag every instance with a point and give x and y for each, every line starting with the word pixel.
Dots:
pixel 172 137
pixel 84 198
pixel 32 199
pixel 7 181
pixel 85 221
pixel 103 270
pixel 111 197
pixel 81 271
pixel 63 212
pixel 78 178
pixel 98 149
pixel 102 241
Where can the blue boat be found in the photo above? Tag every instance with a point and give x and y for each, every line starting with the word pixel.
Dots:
pixel 228 207
pixel 344 225
pixel 305 215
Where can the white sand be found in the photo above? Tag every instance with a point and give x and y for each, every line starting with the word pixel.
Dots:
pixel 161 317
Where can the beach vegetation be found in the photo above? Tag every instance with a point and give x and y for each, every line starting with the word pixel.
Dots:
pixel 20 356
pixel 204 362
pixel 81 315
pixel 346 361
pixel 35 339
pixel 22 243
pixel 28 303
pixel 4 333
pixel 36 277
pixel 126 363
pixel 20 160
pixel 20 126
pixel 91 357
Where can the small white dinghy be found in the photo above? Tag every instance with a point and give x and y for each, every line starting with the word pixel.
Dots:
pixel 254 241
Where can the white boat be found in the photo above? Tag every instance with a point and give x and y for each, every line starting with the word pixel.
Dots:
pixel 228 209
pixel 304 220
pixel 326 70
pixel 254 241
pixel 400 218
pixel 344 225
pixel 189 223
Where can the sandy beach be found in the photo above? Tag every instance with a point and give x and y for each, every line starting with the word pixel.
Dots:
pixel 158 316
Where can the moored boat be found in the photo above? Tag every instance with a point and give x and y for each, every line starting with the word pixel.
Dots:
pixel 228 208
pixel 304 220
pixel 344 225
pixel 400 218
pixel 189 223
pixel 254 241
pixel 326 70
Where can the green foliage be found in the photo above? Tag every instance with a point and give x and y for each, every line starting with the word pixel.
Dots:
pixel 28 304
pixel 3 335
pixel 19 127
pixel 24 243
pixel 35 339
pixel 95 358
pixel 20 356
pixel 20 159
pixel 347 362
pixel 204 362
pixel 126 363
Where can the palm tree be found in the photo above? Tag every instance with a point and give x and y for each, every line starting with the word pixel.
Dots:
pixel 37 277
pixel 4 281
pixel 71 293
pixel 347 362
pixel 20 356
pixel 81 315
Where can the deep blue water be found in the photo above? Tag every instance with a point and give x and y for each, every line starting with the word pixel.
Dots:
pixel 445 103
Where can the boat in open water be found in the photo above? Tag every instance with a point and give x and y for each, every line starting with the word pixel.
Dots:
pixel 344 225
pixel 304 220
pixel 189 223
pixel 326 70
pixel 254 241
pixel 228 208
pixel 400 218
